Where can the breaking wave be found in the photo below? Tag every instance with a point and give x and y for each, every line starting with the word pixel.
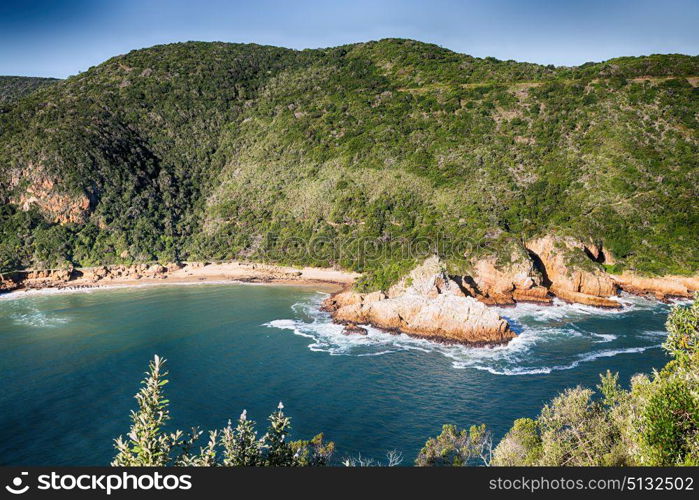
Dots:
pixel 33 317
pixel 24 294
pixel 549 338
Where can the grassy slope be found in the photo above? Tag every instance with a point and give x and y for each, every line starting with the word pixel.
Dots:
pixel 255 150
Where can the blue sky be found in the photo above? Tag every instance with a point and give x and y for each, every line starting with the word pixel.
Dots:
pixel 63 37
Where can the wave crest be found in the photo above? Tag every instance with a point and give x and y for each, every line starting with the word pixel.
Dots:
pixel 549 338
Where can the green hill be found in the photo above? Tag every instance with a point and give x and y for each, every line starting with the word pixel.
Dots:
pixel 14 87
pixel 363 156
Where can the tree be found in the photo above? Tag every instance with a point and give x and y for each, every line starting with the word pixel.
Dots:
pixel 313 453
pixel 455 447
pixel 242 448
pixel 149 445
pixel 575 431
pixel 670 425
pixel 393 459
pixel 520 446
pixel 279 452
pixel 665 430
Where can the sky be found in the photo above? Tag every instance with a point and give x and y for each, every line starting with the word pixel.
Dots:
pixel 59 38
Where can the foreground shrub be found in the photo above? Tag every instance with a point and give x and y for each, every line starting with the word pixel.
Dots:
pixel 457 447
pixel 520 446
pixel 683 332
pixel 654 423
pixel 670 425
pixel 149 444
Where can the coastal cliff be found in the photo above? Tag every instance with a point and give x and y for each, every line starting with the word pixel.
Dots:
pixel 661 288
pixel 538 270
pixel 571 274
pixel 518 279
pixel 432 303
pixel 567 268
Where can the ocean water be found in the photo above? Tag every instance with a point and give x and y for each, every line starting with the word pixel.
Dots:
pixel 70 364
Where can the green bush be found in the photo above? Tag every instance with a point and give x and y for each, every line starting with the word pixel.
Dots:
pixel 149 444
pixel 683 332
pixel 670 425
pixel 654 423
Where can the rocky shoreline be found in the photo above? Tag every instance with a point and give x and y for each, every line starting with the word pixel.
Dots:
pixel 430 303
pixel 427 303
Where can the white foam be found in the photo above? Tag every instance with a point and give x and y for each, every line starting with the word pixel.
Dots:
pixel 560 310
pixel 42 292
pixel 537 326
pixel 23 294
pixel 37 319
pixel 653 334
pixel 585 358
pixel 604 337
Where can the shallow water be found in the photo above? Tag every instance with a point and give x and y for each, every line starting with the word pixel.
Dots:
pixel 71 362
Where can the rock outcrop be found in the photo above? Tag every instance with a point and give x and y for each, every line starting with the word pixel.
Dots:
pixel 133 272
pixel 661 288
pixel 429 279
pixel 7 284
pixel 496 283
pixel 429 307
pixel 571 274
pixel 566 268
pixel 430 303
pixel 40 278
pixel 354 329
pixel 41 191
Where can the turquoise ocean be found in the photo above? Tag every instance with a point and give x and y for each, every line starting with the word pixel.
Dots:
pixel 70 363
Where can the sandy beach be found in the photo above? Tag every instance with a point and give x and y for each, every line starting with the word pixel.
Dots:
pixel 327 279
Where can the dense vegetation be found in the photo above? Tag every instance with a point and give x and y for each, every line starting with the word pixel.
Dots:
pixel 364 156
pixel 14 87
pixel 655 423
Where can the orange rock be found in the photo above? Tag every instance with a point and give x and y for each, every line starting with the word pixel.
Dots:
pixel 569 281
pixel 342 299
pixel 584 298
pixel 60 207
pixel 661 287
pixel 506 284
pixel 428 279
pixel 534 294
pixel 447 318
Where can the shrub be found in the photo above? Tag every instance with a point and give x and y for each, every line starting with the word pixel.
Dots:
pixel 683 331
pixel 670 425
pixel 656 422
pixel 520 446
pixel 456 447
pixel 149 444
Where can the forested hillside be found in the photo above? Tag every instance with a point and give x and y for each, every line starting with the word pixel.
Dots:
pixel 14 87
pixel 216 151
